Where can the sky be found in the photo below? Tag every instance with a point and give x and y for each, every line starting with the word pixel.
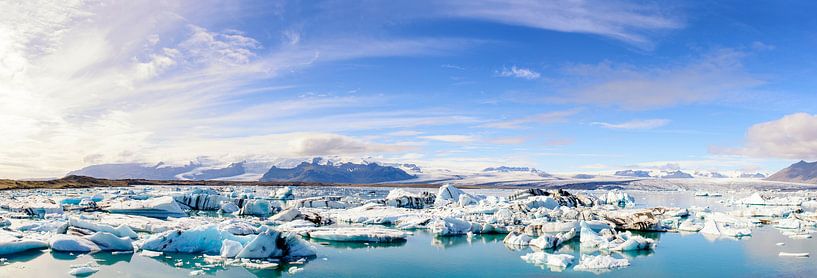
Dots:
pixel 562 86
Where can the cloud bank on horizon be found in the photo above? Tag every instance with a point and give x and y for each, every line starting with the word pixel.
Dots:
pixel 562 85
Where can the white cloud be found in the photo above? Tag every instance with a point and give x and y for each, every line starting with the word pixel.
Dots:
pixel 543 118
pixel 451 138
pixel 635 124
pixel 709 77
pixel 523 73
pixel 144 81
pixel 623 20
pixel 792 137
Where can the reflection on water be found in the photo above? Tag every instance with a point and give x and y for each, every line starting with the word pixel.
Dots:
pixel 424 255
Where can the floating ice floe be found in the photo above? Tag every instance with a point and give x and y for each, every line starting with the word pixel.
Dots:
pixel 404 199
pixel 83 271
pixel 11 245
pixel 72 243
pixel 787 254
pixel 209 239
pixel 160 207
pixel 257 207
pixel 359 234
pixel 557 261
pixel 205 239
pixel 620 199
pixel 333 202
pixel 600 263
pixel 712 227
pixel 548 241
pixel 611 240
pixel 121 231
pixel 110 242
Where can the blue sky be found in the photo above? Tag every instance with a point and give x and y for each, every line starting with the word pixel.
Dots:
pixel 564 86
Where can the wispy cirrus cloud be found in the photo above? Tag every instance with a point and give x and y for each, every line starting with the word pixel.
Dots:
pixel 709 77
pixel 627 21
pixel 451 138
pixel 73 71
pixel 522 122
pixel 635 124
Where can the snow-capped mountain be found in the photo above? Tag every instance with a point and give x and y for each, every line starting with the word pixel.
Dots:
pixel 633 173
pixel 507 169
pixel 330 172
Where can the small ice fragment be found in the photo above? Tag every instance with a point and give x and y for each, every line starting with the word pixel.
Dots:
pixel 84 270
pixel 148 253
pixel 293 270
pixel 787 254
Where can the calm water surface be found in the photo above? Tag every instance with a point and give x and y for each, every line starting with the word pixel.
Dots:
pixel 423 255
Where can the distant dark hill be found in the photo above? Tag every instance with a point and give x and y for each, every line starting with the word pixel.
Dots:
pixel 803 172
pixel 341 173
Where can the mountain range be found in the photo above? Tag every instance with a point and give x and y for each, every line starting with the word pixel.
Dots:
pixel 802 172
pixel 368 171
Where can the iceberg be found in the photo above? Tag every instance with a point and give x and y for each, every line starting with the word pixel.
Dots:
pixel 10 245
pixel 207 201
pixel 600 263
pixel 404 199
pixel 274 244
pixel 448 194
pixel 559 261
pixel 620 199
pixel 83 271
pixel 722 229
pixel 204 239
pixel 548 241
pixel 450 226
pixel 120 231
pixel 72 243
pixel 257 207
pixel 284 193
pixel 161 207
pixel 110 242
pixel 285 215
pixel 362 234
pixel 515 239
pixel 690 226
pixel 230 248
pixel 332 202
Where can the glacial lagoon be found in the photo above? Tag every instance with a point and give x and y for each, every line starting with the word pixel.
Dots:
pixel 424 254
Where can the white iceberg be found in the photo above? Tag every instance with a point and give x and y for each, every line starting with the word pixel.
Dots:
pixel 10 244
pixel 560 261
pixel 110 242
pixel 72 243
pixel 274 244
pixel 548 241
pixel 83 271
pixel 204 239
pixel 359 234
pixel 161 207
pixel 600 263
pixel 723 229
pixel 120 231
pixel 257 207
pixel 230 248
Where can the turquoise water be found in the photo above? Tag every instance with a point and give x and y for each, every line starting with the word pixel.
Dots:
pixel 423 255
pixel 482 256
